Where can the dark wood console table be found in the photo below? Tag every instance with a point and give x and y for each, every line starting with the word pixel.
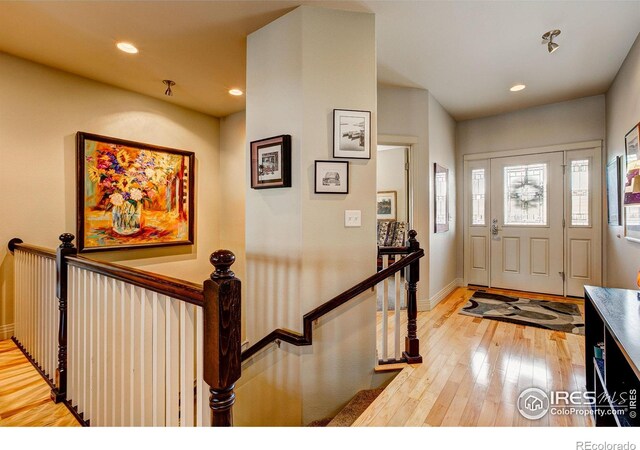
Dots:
pixel 612 317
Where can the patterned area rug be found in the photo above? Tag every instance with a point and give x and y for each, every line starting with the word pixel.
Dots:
pixel 558 316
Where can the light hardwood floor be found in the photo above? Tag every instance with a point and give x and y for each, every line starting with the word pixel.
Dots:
pixel 24 395
pixel 474 369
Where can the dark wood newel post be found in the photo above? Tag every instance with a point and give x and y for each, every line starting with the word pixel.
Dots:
pixel 411 343
pixel 222 337
pixel 66 248
pixel 12 244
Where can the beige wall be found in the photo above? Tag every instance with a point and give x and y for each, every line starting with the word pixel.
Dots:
pixel 299 254
pixel 405 112
pixel 558 123
pixel 623 113
pixel 416 113
pixel 41 109
pixel 233 160
pixel 442 255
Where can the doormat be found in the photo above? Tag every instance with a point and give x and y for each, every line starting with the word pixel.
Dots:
pixel 548 314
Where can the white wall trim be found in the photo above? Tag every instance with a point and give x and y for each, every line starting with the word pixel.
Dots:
pixel 448 289
pixel 424 304
pixel 528 151
pixel 396 139
pixel 6 331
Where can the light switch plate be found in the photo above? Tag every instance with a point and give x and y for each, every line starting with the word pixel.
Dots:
pixel 352 218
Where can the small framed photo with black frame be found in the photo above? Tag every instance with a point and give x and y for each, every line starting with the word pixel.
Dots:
pixel 351 134
pixel 271 162
pixel 331 177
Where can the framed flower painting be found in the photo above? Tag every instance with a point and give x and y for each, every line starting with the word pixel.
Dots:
pixel 132 195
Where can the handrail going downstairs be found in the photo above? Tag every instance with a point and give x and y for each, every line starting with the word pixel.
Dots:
pixel 412 351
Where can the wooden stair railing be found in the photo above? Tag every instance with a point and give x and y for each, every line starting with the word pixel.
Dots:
pixel 218 300
pixel 411 262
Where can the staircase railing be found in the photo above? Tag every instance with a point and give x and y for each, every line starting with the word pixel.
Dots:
pixel 121 346
pixel 410 263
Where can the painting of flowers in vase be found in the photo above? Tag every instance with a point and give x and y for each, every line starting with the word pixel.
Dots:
pixel 132 195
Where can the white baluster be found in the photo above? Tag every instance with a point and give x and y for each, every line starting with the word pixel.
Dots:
pixel 120 356
pixel 126 354
pixel 94 301
pixel 146 372
pixel 158 370
pixel 135 388
pixel 173 361
pixel 203 411
pixel 187 376
pixel 396 317
pixel 112 352
pixel 71 337
pixel 385 310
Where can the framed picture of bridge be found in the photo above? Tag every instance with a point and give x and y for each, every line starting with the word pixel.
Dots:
pixel 132 195
pixel 351 134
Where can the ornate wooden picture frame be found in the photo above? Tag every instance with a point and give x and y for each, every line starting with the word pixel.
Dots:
pixel 132 195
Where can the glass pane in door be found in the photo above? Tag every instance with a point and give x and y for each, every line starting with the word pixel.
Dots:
pixel 477 197
pixel 525 195
pixel 580 192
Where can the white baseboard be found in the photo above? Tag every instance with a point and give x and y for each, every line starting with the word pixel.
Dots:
pixel 424 304
pixel 6 331
pixel 433 301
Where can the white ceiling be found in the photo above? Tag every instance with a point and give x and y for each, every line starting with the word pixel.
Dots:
pixel 466 53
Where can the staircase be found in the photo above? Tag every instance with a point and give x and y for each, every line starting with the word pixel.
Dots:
pixel 354 409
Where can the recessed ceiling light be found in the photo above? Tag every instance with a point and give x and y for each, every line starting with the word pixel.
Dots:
pixel 127 47
pixel 235 92
pixel 517 87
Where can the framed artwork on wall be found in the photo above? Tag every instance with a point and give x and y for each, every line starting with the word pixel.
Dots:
pixel 613 192
pixel 386 209
pixel 632 223
pixel 632 167
pixel 351 134
pixel 441 198
pixel 271 162
pixel 632 185
pixel 331 177
pixel 132 195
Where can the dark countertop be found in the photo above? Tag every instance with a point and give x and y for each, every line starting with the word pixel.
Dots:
pixel 620 311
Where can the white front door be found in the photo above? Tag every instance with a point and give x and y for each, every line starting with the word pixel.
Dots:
pixel 526 229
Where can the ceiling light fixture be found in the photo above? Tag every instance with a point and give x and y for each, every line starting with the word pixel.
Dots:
pixel 127 47
pixel 517 87
pixel 235 92
pixel 169 83
pixel 548 38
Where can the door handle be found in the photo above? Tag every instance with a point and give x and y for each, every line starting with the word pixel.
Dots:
pixel 494 228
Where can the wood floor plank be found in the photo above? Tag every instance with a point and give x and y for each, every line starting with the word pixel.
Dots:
pixel 474 370
pixel 24 394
